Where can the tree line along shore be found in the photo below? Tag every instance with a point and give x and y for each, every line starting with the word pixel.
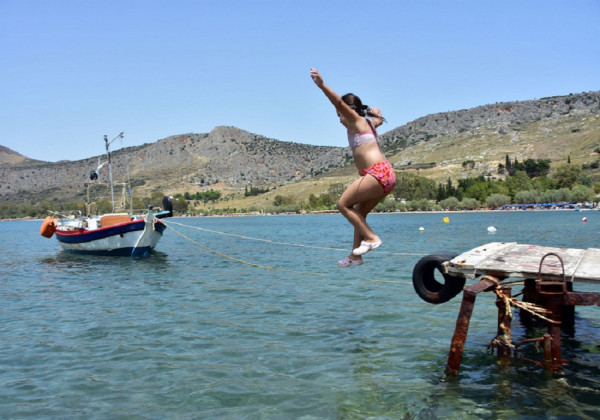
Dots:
pixel 525 183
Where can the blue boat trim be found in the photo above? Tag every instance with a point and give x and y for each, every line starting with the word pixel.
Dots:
pixel 78 238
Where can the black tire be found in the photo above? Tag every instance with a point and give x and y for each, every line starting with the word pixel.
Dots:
pixel 425 283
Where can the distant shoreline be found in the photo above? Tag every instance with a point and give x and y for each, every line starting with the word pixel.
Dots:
pixel 334 212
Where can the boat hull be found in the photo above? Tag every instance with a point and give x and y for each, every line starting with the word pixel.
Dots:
pixel 136 238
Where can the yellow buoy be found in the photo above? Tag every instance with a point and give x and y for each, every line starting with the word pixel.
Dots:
pixel 446 219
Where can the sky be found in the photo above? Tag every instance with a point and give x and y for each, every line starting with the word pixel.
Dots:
pixel 75 70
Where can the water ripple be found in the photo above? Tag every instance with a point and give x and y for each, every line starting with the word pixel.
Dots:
pixel 187 334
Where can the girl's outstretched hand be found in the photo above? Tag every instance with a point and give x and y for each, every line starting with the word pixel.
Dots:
pixel 316 77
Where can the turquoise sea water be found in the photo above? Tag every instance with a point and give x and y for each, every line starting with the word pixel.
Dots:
pixel 187 333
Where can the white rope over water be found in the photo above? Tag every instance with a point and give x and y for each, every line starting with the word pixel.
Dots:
pixel 288 243
pixel 270 241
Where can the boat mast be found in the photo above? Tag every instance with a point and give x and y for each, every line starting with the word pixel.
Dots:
pixel 108 143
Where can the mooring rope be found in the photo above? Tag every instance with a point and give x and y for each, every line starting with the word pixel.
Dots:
pixel 265 267
pixel 533 309
pixel 414 254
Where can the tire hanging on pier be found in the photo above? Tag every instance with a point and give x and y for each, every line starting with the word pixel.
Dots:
pixel 425 283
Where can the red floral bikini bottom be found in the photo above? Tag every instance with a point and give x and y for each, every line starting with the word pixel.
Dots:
pixel 384 174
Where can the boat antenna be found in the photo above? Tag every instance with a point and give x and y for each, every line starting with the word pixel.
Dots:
pixel 108 143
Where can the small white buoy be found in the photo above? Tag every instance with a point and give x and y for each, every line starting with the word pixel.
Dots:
pixel 422 229
pixel 584 219
pixel 491 229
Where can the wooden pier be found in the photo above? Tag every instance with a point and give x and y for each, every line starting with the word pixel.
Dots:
pixel 548 274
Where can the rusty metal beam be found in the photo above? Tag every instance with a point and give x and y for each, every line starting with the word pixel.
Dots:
pixel 582 298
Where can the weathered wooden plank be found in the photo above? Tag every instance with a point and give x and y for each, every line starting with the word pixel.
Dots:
pixel 525 259
pixel 473 258
pixel 509 259
pixel 589 267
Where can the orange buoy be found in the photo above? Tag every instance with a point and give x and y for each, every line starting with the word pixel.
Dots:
pixel 48 227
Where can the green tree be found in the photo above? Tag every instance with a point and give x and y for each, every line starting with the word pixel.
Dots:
pixel 479 191
pixel 497 200
pixel 450 203
pixel 450 190
pixel 8 211
pixel 137 203
pixel 563 194
pixel 281 200
pixel 469 204
pixel 420 205
pixel 410 186
pixel 180 205
pixel 103 206
pixel 549 196
pixel 314 201
pixel 581 193
pixel 527 197
pixel 405 186
pixel 328 199
pixel 156 198
pixel 535 168
pixel 566 176
pixel 544 183
pixel 337 189
pixel 74 206
pixel 518 182
pixel 500 187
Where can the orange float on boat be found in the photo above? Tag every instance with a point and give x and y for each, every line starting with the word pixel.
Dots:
pixel 48 227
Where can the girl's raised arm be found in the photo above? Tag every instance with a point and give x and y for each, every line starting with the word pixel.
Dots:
pixel 341 107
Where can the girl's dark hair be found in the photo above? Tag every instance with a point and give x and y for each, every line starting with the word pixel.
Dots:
pixel 356 104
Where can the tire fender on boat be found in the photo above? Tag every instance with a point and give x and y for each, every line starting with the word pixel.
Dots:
pixel 425 283
pixel 48 227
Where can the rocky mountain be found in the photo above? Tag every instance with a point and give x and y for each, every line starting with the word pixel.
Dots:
pixel 500 118
pixel 10 157
pixel 562 128
pixel 228 157
pixel 187 162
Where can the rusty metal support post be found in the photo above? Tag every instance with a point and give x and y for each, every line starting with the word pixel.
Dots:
pixel 457 346
pixel 503 341
pixel 547 349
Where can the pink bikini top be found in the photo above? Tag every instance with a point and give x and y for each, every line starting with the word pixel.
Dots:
pixel 355 140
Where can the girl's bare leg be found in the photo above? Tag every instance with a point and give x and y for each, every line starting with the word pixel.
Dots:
pixel 356 202
pixel 364 209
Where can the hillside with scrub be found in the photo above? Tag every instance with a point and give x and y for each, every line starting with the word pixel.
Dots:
pixel 544 150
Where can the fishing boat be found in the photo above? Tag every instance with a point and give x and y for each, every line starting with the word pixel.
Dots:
pixel 112 233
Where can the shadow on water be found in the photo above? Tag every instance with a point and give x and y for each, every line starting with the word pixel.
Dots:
pixel 83 261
